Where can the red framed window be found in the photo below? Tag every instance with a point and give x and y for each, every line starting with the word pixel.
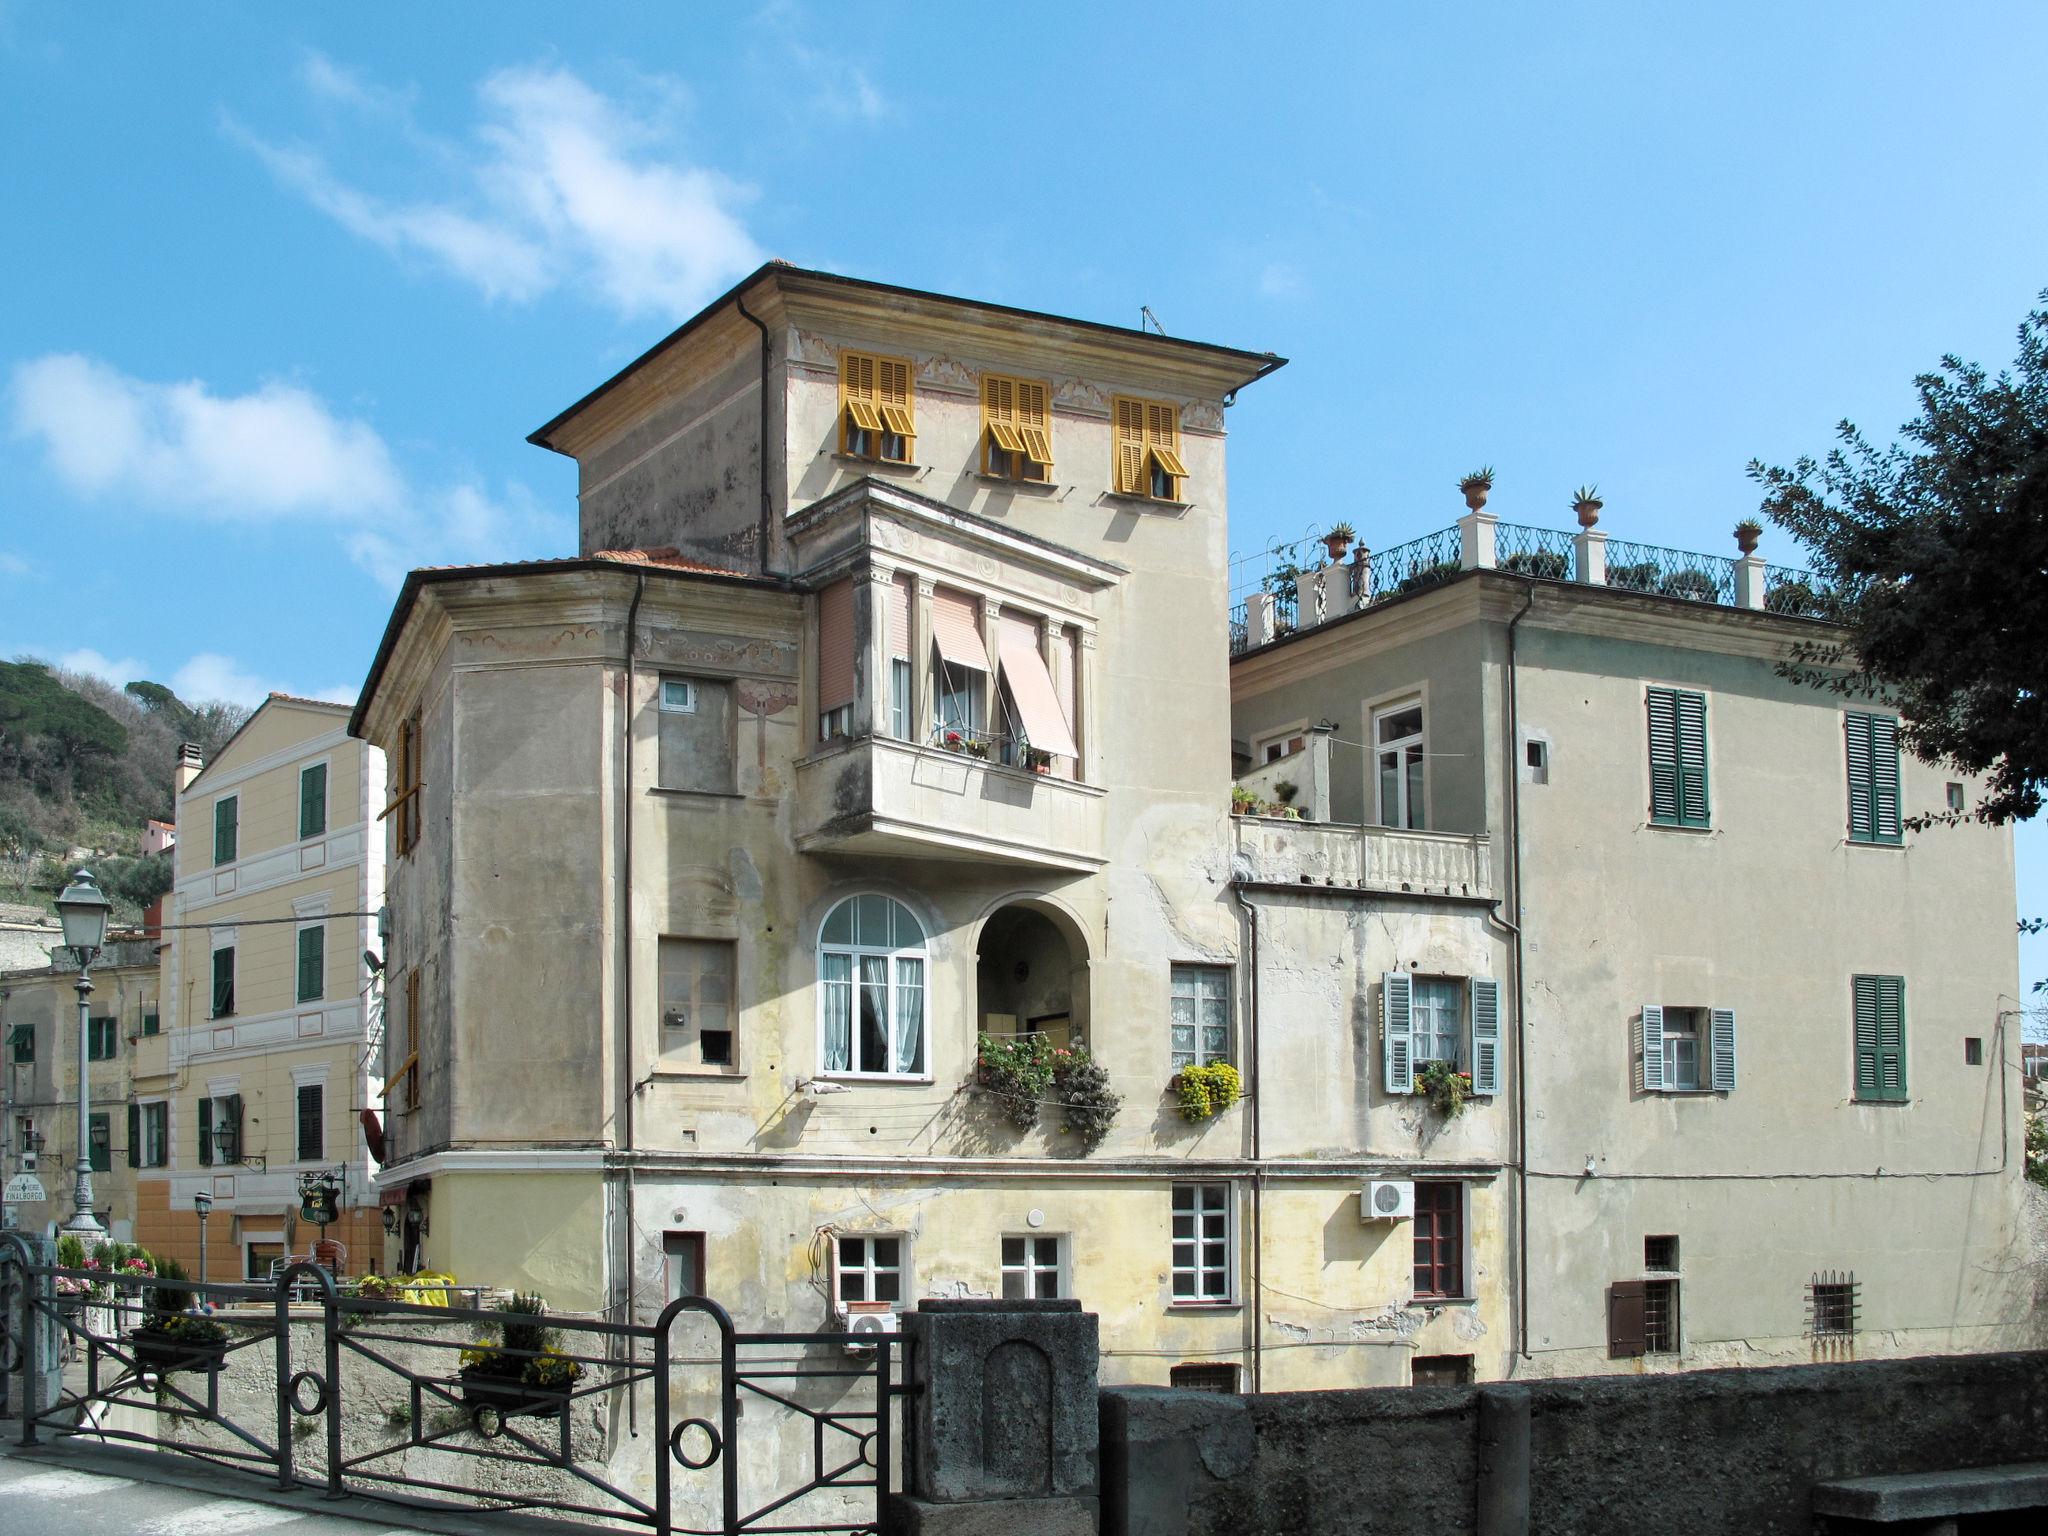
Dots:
pixel 1439 1239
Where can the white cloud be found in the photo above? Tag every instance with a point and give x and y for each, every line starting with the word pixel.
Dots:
pixel 563 187
pixel 1280 281
pixel 838 87
pixel 276 454
pixel 13 565
pixel 119 673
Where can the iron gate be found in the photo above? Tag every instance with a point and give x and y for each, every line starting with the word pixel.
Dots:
pixel 370 1396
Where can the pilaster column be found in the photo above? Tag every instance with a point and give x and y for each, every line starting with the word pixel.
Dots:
pixel 992 642
pixel 1749 582
pixel 871 597
pixel 921 703
pixel 1475 541
pixel 1589 551
pixel 1084 710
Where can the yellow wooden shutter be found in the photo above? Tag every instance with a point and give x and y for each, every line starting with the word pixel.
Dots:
pixel 1130 446
pixel 999 411
pixel 1162 438
pixel 1034 422
pixel 857 393
pixel 892 389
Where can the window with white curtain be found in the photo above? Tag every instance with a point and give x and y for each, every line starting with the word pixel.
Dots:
pixel 871 990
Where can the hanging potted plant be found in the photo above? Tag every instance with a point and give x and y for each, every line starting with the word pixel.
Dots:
pixel 1338 539
pixel 1747 532
pixel 1476 486
pixel 1205 1092
pixel 1587 503
pixel 1444 1086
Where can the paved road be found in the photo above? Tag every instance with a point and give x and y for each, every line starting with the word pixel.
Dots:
pixel 40 1500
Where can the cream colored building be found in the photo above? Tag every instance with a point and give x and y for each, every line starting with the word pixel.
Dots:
pixel 261 1071
pixel 39 1055
pixel 1767 1036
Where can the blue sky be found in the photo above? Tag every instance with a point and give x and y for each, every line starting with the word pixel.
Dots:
pixel 287 288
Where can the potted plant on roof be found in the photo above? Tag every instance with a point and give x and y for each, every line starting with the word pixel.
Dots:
pixel 1587 503
pixel 171 1336
pixel 1338 539
pixel 1747 532
pixel 1476 486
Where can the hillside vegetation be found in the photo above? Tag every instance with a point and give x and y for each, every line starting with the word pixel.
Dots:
pixel 83 765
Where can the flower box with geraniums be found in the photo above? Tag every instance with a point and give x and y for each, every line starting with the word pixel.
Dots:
pixel 1205 1092
pixel 1444 1086
pixel 522 1372
pixel 1018 1075
pixel 964 744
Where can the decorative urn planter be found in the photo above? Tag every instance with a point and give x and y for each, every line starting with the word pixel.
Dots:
pixel 1746 536
pixel 1336 544
pixel 1589 512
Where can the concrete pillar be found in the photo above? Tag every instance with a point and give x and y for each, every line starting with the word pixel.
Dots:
pixel 1326 596
pixel 871 599
pixel 1589 548
pixel 1084 706
pixel 1475 541
pixel 921 702
pixel 1504 1461
pixel 1749 582
pixel 991 696
pixel 1258 619
pixel 1001 1431
pixel 1320 738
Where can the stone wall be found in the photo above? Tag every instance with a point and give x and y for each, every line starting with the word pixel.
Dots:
pixel 1696 1454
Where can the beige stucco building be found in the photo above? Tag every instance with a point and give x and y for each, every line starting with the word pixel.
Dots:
pixel 889 702
pixel 39 1048
pixel 262 1069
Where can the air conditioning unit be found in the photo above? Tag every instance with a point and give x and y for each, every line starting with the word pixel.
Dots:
pixel 866 1319
pixel 1387 1200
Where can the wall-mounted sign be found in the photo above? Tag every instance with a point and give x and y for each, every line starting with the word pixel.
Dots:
pixel 24 1186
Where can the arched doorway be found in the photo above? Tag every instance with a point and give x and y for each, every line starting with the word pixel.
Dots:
pixel 1031 974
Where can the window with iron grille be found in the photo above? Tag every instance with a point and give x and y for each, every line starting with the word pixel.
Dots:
pixel 1204 1377
pixel 1831 1305
pixel 1439 1238
pixel 1660 1317
pixel 1660 1254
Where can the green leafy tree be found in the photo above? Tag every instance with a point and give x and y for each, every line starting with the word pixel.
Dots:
pixel 1938 548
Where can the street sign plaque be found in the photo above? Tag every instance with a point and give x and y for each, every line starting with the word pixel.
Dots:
pixel 24 1186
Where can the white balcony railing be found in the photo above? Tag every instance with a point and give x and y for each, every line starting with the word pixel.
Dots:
pixel 1373 858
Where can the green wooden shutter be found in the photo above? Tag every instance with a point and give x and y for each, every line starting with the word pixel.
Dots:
pixel 225 820
pixel 1891 1037
pixel 1692 760
pixel 1397 1031
pixel 1485 1035
pixel 134 1135
pixel 206 1133
pixel 312 964
pixel 1884 779
pixel 1663 708
pixel 1856 732
pixel 1651 1076
pixel 313 801
pixel 1721 1048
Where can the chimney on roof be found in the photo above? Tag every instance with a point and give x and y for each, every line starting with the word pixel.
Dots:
pixel 189 764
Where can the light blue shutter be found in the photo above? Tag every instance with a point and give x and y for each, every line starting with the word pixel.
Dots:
pixel 1485 1035
pixel 1397 1031
pixel 1721 1047
pixel 1653 1048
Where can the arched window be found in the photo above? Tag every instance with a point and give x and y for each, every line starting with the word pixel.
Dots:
pixel 871 989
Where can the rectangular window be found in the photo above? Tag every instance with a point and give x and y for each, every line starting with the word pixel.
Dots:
pixel 1678 757
pixel 960 670
pixel 1400 759
pixel 697 1002
pixel 312 1107
pixel 226 828
pixel 1201 1015
pixel 899 698
pixel 871 1268
pixel 99 1142
pixel 1201 1244
pixel 1880 1023
pixel 1686 1050
pixel 678 696
pixel 1203 1376
pixel 1973 1050
pixel 151 1021
pixel 1660 1317
pixel 697 743
pixel 1147 448
pixel 313 800
pixel 1439 1238
pixel 1831 1305
pixel 1034 1268
pixel 1873 751
pixel 312 964
pixel 1440 1371
pixel 1660 1254
pixel 876 406
pixel 224 981
pixel 1281 746
pixel 220 1130
pixel 682 1265
pixel 1016 428
pixel 156 1135
pixel 1439 1013
pixel 22 1041
pixel 99 1039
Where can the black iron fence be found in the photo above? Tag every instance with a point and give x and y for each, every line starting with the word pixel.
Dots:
pixel 636 1425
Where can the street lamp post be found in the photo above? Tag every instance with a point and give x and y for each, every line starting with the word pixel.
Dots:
pixel 83 911
pixel 202 1203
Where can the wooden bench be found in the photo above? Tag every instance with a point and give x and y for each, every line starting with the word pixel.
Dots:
pixel 1928 1503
